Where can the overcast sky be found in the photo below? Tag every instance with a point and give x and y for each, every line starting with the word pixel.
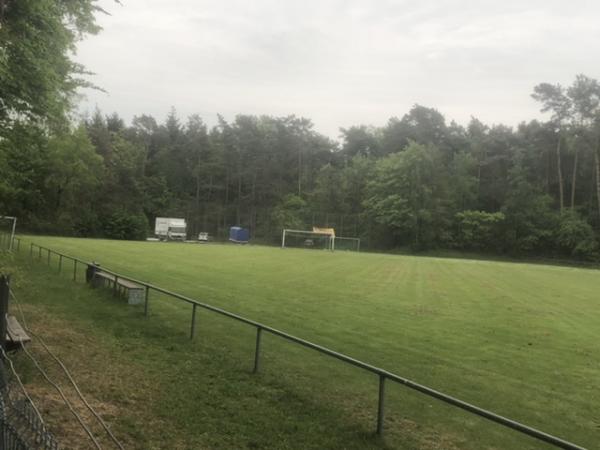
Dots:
pixel 338 62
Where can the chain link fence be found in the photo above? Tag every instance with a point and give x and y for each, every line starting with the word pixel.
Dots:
pixel 21 426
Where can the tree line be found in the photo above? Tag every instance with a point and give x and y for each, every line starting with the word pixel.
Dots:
pixel 417 182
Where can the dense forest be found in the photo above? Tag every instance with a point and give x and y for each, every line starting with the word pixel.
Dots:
pixel 417 182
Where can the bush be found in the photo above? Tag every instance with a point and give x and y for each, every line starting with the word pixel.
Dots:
pixel 124 225
pixel 288 213
pixel 575 237
pixel 479 230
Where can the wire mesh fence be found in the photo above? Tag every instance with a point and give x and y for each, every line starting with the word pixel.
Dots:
pixel 21 426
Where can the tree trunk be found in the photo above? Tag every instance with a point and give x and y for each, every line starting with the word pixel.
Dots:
pixel 299 172
pixel 560 178
pixel 238 213
pixel 597 159
pixel 478 180
pixel 548 165
pixel 197 194
pixel 574 180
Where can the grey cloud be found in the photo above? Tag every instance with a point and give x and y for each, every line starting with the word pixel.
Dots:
pixel 338 62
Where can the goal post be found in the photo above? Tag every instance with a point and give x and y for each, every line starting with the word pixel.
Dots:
pixel 318 238
pixel 307 239
pixel 8 226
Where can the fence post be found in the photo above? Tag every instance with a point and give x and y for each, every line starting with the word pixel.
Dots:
pixel 146 301
pixel 39 252
pixel 380 406
pixel 59 263
pixel 48 257
pixel 115 285
pixel 74 270
pixel 4 293
pixel 193 326
pixel 257 351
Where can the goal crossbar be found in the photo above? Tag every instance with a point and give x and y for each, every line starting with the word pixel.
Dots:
pixel 329 236
pixel 333 238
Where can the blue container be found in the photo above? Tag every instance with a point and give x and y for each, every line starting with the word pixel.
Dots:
pixel 239 235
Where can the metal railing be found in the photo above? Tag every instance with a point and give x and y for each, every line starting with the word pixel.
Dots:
pixel 382 374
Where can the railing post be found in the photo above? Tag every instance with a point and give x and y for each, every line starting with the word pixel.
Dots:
pixel 48 257
pixel 257 351
pixel 146 301
pixel 380 406
pixel 74 270
pixel 59 263
pixel 39 252
pixel 193 326
pixel 116 281
pixel 4 294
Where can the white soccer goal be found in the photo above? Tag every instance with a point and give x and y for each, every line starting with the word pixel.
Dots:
pixel 323 240
pixel 307 239
pixel 8 226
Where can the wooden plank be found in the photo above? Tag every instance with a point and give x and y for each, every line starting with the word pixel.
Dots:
pixel 129 285
pixel 105 275
pixel 15 332
pixel 121 282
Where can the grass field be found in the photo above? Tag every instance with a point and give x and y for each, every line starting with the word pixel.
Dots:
pixel 522 340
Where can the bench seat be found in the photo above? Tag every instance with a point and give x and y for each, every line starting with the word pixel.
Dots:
pixel 15 334
pixel 135 292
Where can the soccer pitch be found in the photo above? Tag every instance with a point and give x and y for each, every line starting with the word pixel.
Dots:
pixel 519 339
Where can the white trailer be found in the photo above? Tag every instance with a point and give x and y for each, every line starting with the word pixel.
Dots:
pixel 170 229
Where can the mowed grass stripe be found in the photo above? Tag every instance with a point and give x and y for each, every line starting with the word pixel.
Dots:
pixel 519 339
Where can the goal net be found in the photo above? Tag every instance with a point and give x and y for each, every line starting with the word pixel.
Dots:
pixel 307 239
pixel 347 243
pixel 7 232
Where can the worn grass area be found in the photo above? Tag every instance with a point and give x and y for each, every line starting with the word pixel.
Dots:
pixel 519 339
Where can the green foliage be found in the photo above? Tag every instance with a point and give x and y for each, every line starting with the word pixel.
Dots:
pixel 479 230
pixel 407 196
pixel 575 237
pixel 37 75
pixel 123 225
pixel 289 213
pixel 530 219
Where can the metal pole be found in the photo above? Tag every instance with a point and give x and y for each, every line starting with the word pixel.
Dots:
pixel 12 236
pixel 59 263
pixel 380 406
pixel 257 352
pixel 4 293
pixel 74 270
pixel 193 327
pixel 146 302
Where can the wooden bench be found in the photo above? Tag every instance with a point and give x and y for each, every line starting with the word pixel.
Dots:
pixel 135 292
pixel 15 334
